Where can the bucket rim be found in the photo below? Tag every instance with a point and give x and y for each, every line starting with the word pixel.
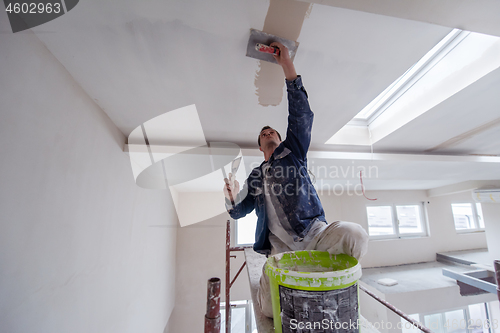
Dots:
pixel 314 275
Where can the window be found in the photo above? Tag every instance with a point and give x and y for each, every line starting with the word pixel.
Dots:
pixel 468 217
pixel 409 219
pixel 406 327
pixel 242 317
pixel 474 318
pixel 453 64
pixel 452 317
pixel 396 221
pixel 477 316
pixel 245 230
pixel 436 321
pixel 380 221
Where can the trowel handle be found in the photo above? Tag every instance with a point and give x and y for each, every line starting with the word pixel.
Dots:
pixel 230 194
pixel 267 49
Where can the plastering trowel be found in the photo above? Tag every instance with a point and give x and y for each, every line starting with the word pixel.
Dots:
pixel 234 169
pixel 258 46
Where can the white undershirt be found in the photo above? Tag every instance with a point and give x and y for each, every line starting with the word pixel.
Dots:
pixel 280 239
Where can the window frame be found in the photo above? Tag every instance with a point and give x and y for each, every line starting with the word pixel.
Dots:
pixel 475 218
pixel 249 313
pixel 395 221
pixel 467 316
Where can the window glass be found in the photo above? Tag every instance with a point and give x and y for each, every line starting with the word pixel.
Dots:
pixel 462 215
pixel 245 229
pixel 477 313
pixel 494 312
pixel 409 219
pixel 380 220
pixel 408 327
pixel 240 320
pixel 434 322
pixel 474 318
pixel 455 321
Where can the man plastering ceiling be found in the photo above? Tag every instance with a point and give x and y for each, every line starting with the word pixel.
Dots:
pixel 290 214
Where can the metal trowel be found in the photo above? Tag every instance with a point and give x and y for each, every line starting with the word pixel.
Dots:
pixel 262 38
pixel 234 168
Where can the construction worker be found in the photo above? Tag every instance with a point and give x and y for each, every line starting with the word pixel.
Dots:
pixel 290 214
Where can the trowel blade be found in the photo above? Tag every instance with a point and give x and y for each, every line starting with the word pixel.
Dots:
pixel 235 165
pixel 257 36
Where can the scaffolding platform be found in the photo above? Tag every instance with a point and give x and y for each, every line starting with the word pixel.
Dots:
pixel 255 261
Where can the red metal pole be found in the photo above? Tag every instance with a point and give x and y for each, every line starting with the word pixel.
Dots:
pixel 238 274
pixel 397 311
pixel 228 276
pixel 212 317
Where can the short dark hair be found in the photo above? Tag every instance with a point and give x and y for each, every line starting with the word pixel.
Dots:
pixel 263 129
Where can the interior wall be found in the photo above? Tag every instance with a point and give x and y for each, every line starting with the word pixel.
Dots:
pixel 491 214
pixel 442 234
pixel 82 248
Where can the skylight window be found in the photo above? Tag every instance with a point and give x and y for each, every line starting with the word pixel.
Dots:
pixel 376 104
pixel 457 61
pixel 404 82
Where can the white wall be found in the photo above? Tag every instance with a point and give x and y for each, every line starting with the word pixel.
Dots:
pixel 82 248
pixel 491 214
pixel 443 236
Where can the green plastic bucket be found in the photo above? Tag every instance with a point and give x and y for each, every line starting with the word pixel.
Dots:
pixel 314 291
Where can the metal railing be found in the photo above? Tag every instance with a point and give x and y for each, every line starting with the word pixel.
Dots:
pixel 397 311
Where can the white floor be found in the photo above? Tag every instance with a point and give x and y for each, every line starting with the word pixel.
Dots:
pixel 423 276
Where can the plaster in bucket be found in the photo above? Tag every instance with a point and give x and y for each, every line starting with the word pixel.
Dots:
pixel 314 290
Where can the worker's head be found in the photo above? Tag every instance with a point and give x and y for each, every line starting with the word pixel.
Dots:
pixel 268 135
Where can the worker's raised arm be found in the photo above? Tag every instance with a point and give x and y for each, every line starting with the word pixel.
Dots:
pixel 284 60
pixel 300 116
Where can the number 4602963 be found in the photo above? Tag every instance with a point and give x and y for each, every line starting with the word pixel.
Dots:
pixel 33 8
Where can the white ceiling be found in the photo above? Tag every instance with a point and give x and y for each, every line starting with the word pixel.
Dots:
pixel 138 60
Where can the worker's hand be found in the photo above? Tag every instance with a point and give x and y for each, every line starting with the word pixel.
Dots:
pixel 231 188
pixel 284 60
pixel 283 56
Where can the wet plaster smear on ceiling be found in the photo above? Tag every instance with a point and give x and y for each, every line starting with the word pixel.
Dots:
pixel 284 19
